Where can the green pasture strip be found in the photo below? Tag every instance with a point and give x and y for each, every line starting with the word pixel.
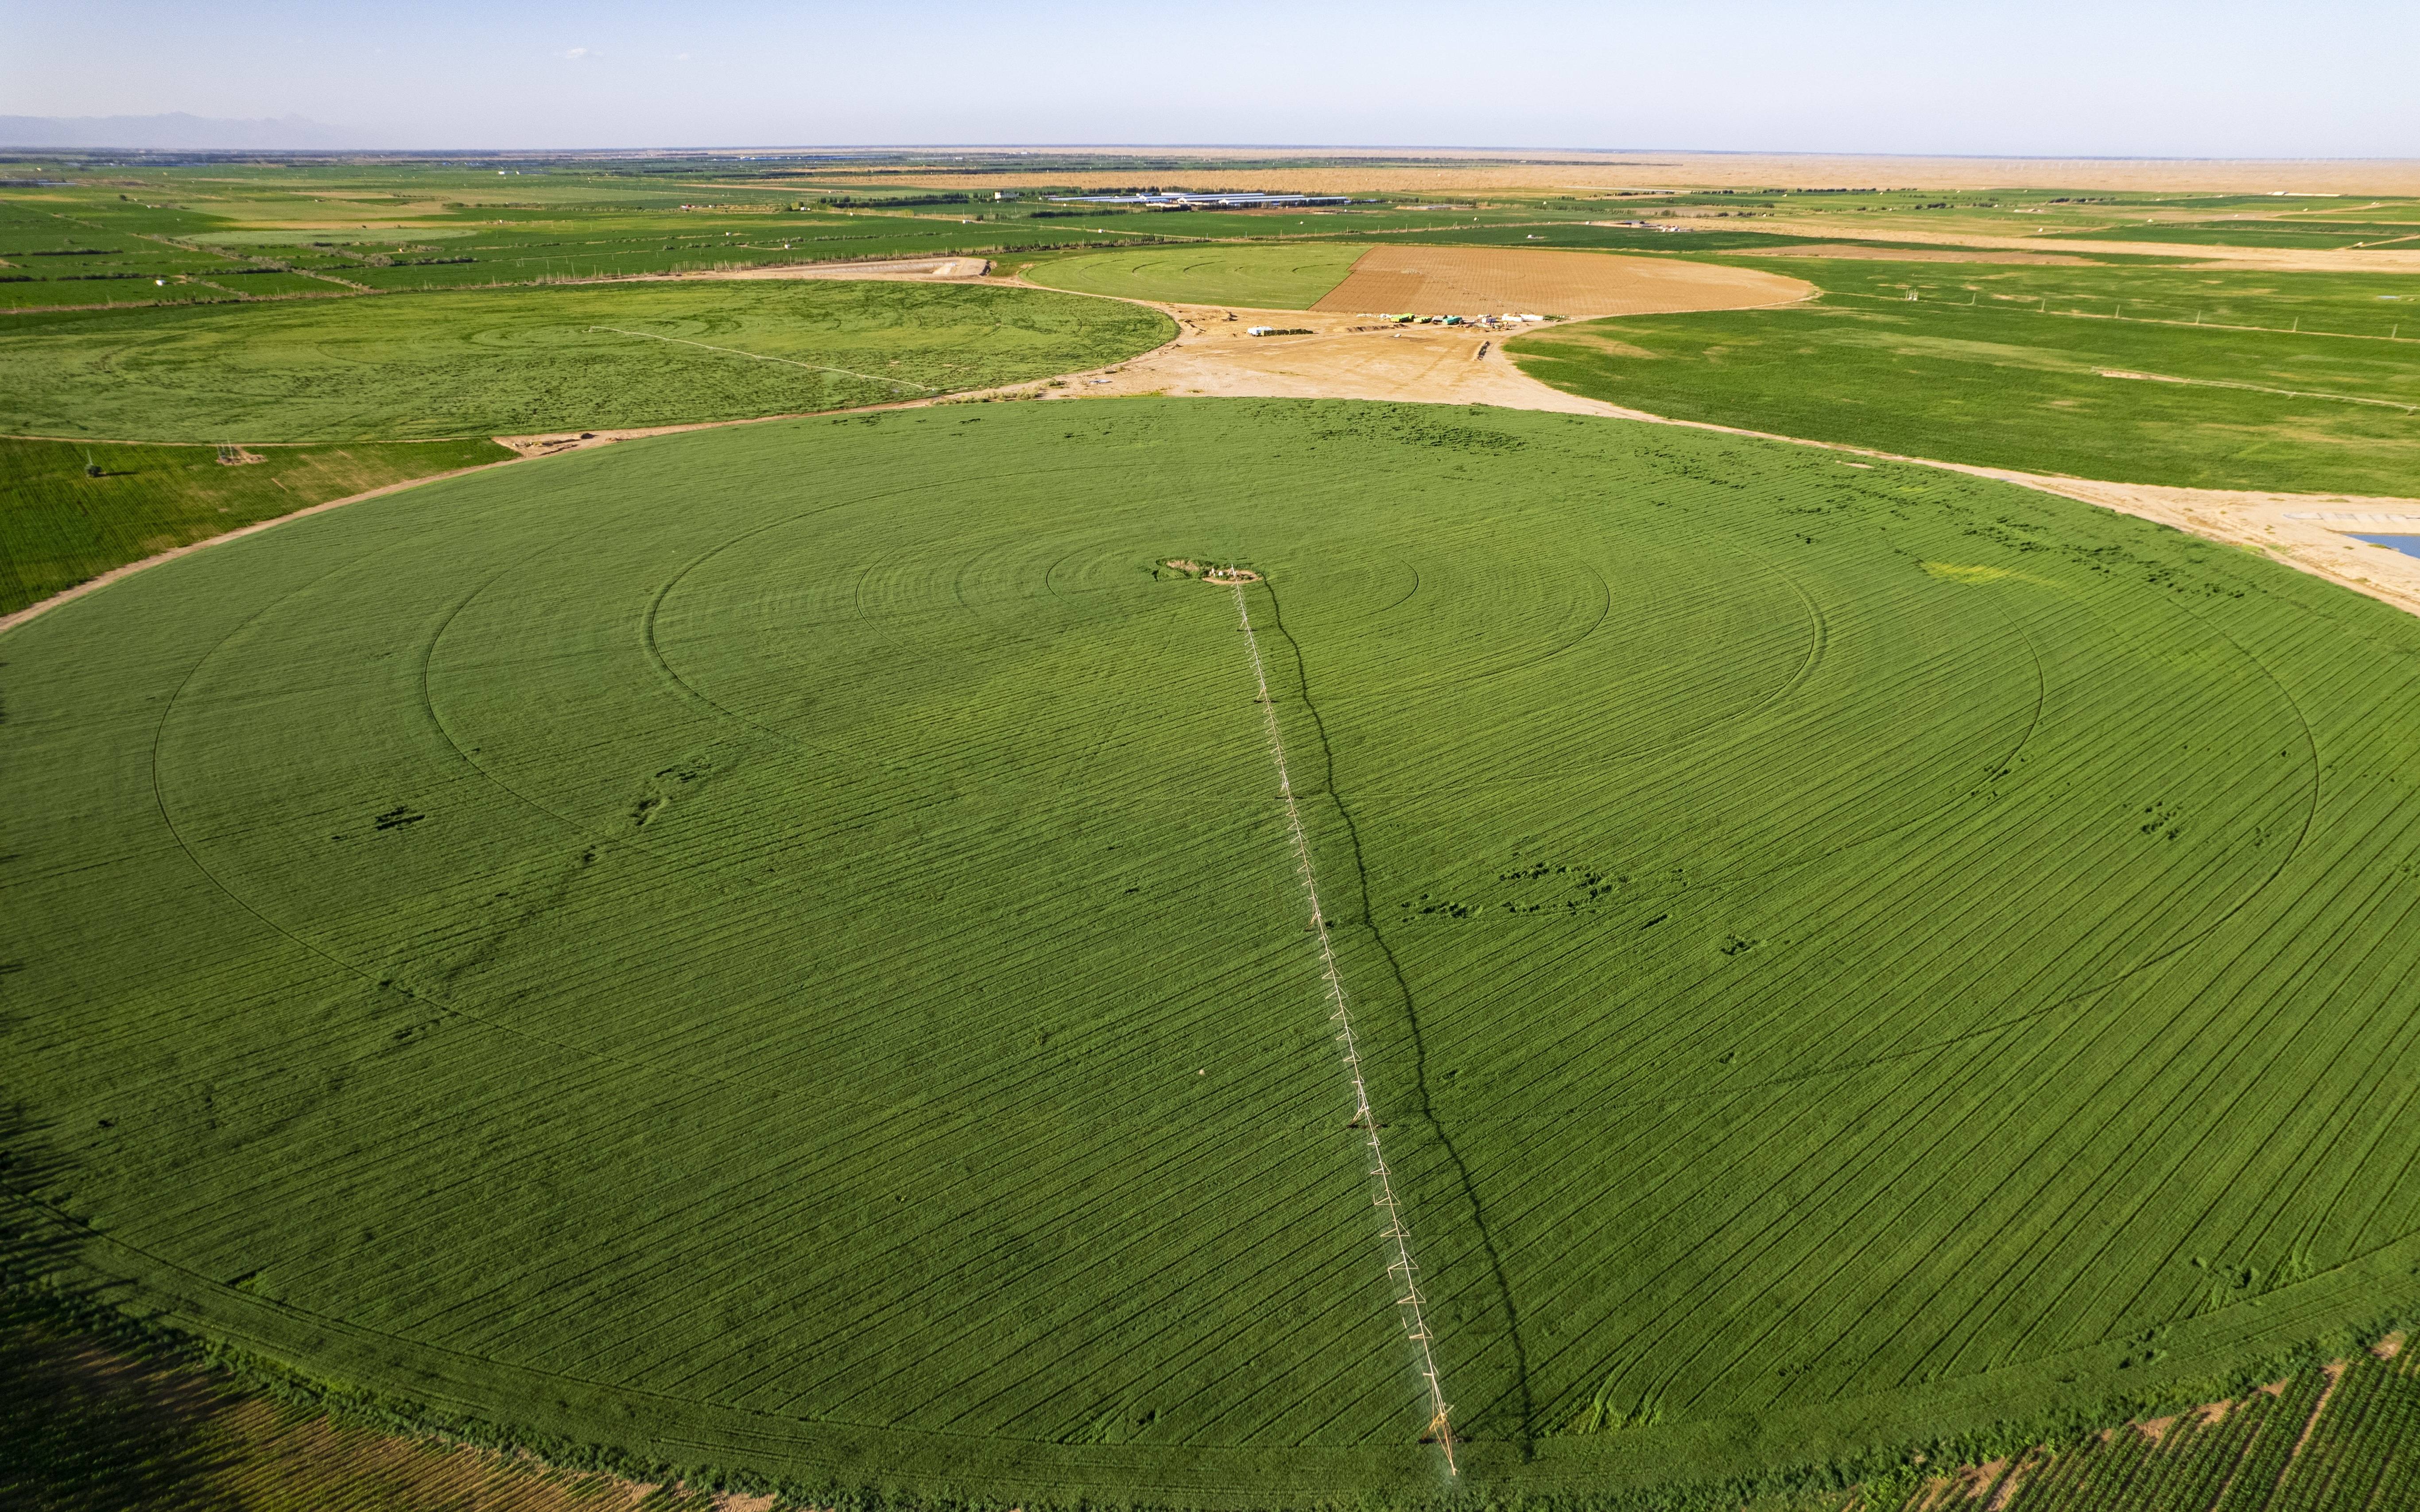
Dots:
pixel 2252 233
pixel 1993 383
pixel 60 525
pixel 129 293
pixel 507 363
pixel 2351 304
pixel 262 283
pixel 1254 276
pixel 776 949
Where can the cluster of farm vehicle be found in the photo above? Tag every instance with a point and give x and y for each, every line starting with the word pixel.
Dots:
pixel 1481 322
pixel 1490 321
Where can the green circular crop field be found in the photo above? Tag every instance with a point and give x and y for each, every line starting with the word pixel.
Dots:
pixel 782 949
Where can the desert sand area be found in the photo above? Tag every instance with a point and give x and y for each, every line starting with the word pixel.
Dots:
pixel 1475 280
pixel 1441 172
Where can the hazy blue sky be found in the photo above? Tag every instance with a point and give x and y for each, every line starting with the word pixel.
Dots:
pixel 2212 78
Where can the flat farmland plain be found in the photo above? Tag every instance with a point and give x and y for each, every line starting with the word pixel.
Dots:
pixel 2246 401
pixel 780 950
pixel 60 525
pixel 510 361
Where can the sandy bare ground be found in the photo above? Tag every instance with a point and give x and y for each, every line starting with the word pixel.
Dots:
pixel 1509 280
pixel 1347 357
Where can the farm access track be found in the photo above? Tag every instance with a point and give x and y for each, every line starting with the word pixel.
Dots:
pixel 1400 1270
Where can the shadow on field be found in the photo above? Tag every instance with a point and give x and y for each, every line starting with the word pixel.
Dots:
pixel 1523 1428
pixel 86 1426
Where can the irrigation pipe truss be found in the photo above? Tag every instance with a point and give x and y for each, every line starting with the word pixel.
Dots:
pixel 1397 1239
pixel 813 367
pixel 2255 387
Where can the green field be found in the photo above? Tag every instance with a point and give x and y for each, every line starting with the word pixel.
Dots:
pixel 2312 1445
pixel 88 1426
pixel 1259 277
pixel 2298 233
pixel 521 360
pixel 778 949
pixel 2020 377
pixel 159 233
pixel 59 526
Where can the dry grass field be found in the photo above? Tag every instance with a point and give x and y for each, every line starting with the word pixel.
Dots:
pixel 1479 280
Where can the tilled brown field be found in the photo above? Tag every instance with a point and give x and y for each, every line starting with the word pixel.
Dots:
pixel 1516 279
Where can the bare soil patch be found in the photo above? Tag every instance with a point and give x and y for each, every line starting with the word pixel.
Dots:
pixel 1344 357
pixel 1515 280
pixel 1205 573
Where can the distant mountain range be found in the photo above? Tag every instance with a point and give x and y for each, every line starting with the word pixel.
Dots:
pixel 177 132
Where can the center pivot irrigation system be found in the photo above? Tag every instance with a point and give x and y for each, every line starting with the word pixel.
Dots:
pixel 1395 1237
